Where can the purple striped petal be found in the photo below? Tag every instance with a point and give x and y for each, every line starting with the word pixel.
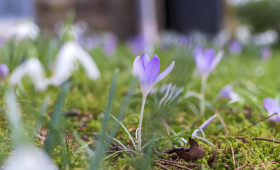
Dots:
pixel 271 105
pixel 145 60
pixel 165 72
pixel 138 69
pixel 152 70
pixel 209 55
pixel 201 64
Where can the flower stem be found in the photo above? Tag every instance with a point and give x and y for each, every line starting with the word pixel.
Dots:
pixel 202 92
pixel 140 124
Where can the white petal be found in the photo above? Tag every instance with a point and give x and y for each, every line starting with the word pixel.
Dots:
pixel 33 68
pixel 65 63
pixel 29 158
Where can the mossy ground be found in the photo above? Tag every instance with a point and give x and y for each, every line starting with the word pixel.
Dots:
pixel 251 77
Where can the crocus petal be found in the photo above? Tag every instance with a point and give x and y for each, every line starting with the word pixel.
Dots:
pixel 4 71
pixel 209 55
pixel 225 92
pixel 228 93
pixel 217 60
pixel 198 51
pixel 152 70
pixel 165 72
pixel 146 88
pixel 266 53
pixel 235 47
pixel 271 105
pixel 138 69
pixel 202 66
pixel 145 60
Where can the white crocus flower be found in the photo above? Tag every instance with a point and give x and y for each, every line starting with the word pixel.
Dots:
pixel 65 63
pixel 34 69
pixel 29 158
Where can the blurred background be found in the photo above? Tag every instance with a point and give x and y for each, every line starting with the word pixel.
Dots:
pixel 234 19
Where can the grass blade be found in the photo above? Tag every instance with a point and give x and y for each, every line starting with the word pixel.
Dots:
pixel 128 133
pixel 14 118
pixel 53 134
pixel 41 114
pixel 124 107
pixel 101 146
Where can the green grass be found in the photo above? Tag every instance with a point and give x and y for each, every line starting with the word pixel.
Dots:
pixel 251 77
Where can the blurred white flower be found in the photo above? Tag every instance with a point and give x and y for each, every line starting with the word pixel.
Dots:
pixel 29 158
pixel 240 2
pixel 24 30
pixel 34 69
pixel 64 66
pixel 266 38
pixel 18 29
pixel 222 38
pixel 243 34
pixel 65 63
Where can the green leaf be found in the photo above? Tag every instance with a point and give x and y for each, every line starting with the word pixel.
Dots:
pixel 53 134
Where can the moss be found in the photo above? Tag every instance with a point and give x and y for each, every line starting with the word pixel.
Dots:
pixel 90 97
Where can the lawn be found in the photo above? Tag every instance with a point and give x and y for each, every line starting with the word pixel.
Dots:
pixel 73 122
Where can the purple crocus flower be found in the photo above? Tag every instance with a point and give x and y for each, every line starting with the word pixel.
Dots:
pixel 91 42
pixel 110 44
pixel 272 106
pixel 235 47
pixel 206 60
pixel 183 40
pixel 137 44
pixel 266 53
pixel 228 93
pixel 4 71
pixel 225 92
pixel 147 71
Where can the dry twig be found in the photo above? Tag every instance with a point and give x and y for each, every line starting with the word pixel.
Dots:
pixel 171 163
pixel 232 153
pixel 241 167
pixel 257 138
pixel 167 162
pixel 257 122
pixel 162 166
pixel 222 121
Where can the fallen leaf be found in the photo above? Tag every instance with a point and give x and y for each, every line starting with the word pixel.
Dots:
pixel 193 154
